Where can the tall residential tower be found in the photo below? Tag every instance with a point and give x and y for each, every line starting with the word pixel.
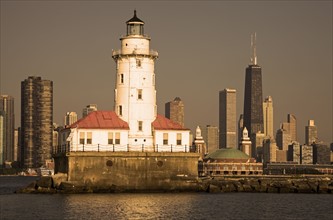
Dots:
pixel 311 135
pixel 268 116
pixel 36 121
pixel 7 112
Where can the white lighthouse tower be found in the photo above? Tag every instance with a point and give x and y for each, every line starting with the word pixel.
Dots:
pixel 135 94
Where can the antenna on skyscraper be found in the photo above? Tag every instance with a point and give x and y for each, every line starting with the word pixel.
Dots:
pixel 254 50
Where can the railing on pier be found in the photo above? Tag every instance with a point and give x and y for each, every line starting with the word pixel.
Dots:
pixel 121 148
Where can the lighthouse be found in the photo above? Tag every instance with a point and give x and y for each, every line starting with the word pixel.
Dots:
pixel 133 125
pixel 135 93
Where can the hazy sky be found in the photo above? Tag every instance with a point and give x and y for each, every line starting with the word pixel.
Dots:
pixel 204 47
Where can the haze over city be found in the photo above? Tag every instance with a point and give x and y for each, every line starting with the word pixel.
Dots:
pixel 203 46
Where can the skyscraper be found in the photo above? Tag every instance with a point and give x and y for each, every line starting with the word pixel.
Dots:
pixel 212 138
pixel 7 109
pixel 292 126
pixel 253 109
pixel 269 151
pixel 227 118
pixel 311 133
pixel 283 139
pixel 70 118
pixel 174 111
pixel 36 121
pixel 268 116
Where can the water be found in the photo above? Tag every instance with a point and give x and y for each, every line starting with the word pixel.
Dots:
pixel 160 205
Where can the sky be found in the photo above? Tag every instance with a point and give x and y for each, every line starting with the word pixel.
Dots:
pixel 203 46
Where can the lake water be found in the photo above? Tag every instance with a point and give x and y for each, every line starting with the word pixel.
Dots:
pixel 160 205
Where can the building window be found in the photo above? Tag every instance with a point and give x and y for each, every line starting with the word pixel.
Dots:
pixel 165 138
pixel 120 110
pixel 140 125
pixel 153 79
pixel 138 63
pixel 89 137
pixel 117 141
pixel 121 78
pixel 179 139
pixel 81 137
pixel 139 93
pixel 110 138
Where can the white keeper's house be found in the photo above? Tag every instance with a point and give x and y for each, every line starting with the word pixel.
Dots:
pixel 134 125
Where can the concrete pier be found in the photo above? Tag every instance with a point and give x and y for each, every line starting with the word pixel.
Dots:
pixel 130 171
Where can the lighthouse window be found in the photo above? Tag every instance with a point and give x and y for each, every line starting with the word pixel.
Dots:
pixel 121 78
pixel 139 93
pixel 138 63
pixel 140 125
pixel 120 110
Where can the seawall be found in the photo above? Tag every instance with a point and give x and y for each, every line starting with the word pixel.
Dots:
pixel 259 184
pixel 268 184
pixel 130 171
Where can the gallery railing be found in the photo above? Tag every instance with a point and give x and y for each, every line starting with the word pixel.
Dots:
pixel 121 148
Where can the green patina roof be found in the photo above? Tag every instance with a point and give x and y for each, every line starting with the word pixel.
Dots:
pixel 227 153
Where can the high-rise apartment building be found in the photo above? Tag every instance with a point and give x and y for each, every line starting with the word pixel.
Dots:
pixel 88 109
pixel 292 127
pixel 307 154
pixel 36 121
pixel 311 133
pixel 321 154
pixel 253 101
pixel 70 118
pixel 7 111
pixel 283 139
pixel 294 152
pixel 268 116
pixel 269 151
pixel 212 138
pixel 174 110
pixel 16 146
pixel 227 118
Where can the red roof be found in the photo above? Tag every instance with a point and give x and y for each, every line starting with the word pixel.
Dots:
pixel 163 123
pixel 101 120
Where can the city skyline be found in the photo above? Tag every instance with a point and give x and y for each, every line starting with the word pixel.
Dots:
pixel 199 54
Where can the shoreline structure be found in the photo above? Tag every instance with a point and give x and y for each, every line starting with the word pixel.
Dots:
pixel 227 184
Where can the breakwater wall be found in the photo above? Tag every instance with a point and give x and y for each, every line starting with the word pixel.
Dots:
pixel 259 184
pixel 268 184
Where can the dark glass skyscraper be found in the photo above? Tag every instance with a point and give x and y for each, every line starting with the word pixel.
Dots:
pixel 253 110
pixel 36 121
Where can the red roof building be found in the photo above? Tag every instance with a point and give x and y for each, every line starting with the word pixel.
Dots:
pixel 163 123
pixel 101 120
